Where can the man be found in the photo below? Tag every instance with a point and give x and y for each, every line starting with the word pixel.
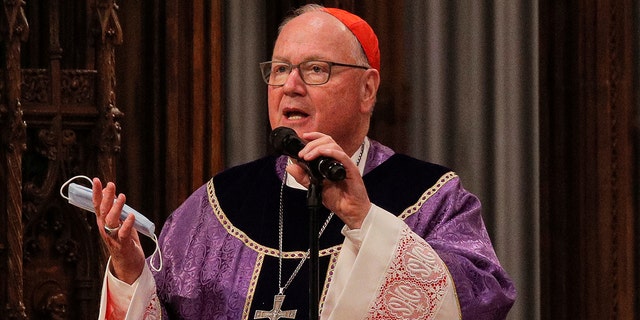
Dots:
pixel 400 239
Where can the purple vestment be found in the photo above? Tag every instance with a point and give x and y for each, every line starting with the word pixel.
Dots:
pixel 216 240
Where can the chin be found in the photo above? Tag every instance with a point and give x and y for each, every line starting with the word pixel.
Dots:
pixel 298 126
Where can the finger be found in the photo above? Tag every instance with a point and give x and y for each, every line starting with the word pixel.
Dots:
pixel 127 227
pixel 97 195
pixel 316 141
pixel 319 146
pixel 299 174
pixel 112 219
pixel 310 136
pixel 108 195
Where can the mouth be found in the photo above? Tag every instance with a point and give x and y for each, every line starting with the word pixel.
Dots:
pixel 294 114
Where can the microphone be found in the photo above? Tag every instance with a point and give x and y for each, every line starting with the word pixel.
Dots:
pixel 285 141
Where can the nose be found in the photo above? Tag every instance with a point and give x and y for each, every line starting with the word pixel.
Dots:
pixel 294 83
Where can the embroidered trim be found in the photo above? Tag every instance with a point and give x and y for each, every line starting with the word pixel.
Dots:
pixel 415 284
pixel 240 235
pixel 153 310
pixel 389 302
pixel 427 194
pixel 252 286
pixel 328 278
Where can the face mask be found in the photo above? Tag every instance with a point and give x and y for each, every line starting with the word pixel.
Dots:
pixel 82 197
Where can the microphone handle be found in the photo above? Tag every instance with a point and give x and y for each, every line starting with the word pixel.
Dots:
pixel 328 168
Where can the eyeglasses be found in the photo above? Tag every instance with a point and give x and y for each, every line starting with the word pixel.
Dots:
pixel 276 73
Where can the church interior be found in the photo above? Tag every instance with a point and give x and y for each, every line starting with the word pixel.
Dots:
pixel 159 95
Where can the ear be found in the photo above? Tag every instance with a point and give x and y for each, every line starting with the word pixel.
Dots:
pixel 370 90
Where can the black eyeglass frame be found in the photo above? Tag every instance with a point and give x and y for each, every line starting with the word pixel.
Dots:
pixel 266 76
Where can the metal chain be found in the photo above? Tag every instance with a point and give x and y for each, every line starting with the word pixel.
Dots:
pixel 281 232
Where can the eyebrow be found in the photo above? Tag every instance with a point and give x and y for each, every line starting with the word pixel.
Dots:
pixel 309 58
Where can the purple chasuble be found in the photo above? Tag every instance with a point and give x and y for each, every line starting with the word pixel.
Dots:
pixel 220 246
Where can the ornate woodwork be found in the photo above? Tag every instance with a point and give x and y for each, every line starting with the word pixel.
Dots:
pixel 59 118
pixel 588 209
pixel 14 30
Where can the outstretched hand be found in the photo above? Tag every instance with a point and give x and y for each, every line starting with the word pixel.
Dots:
pixel 347 198
pixel 127 256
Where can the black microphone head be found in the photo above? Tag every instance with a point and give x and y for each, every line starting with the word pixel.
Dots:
pixel 278 136
pixel 286 141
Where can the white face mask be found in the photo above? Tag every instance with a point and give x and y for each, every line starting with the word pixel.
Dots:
pixel 82 197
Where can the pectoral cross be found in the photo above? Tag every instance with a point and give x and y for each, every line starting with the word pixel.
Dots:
pixel 276 313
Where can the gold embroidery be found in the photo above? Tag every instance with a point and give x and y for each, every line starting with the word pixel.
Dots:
pixel 426 195
pixel 264 250
pixel 329 276
pixel 252 286
pixel 332 251
pixel 240 235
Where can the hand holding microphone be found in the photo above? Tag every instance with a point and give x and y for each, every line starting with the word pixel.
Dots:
pixel 285 141
pixel 348 200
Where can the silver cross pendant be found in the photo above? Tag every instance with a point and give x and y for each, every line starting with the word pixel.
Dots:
pixel 276 313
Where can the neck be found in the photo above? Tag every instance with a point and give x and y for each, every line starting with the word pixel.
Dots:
pixel 353 146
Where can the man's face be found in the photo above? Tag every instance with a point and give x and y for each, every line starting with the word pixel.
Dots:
pixel 335 108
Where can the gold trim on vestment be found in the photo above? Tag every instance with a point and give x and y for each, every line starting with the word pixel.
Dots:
pixel 330 272
pixel 240 235
pixel 333 251
pixel 427 194
pixel 252 286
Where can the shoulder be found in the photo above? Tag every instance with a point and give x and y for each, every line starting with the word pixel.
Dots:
pixel 383 163
pixel 401 180
pixel 406 170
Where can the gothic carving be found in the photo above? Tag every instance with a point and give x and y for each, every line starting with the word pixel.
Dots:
pixel 78 86
pixel 73 128
pixel 108 137
pixel 13 30
pixel 110 29
pixel 35 86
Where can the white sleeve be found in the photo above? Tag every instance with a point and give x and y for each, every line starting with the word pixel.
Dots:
pixel 120 300
pixel 371 279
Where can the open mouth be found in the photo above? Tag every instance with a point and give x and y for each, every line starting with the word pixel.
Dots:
pixel 295 115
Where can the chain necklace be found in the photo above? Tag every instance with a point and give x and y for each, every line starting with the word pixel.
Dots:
pixel 276 312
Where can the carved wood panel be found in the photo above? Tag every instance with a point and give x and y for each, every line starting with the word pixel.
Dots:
pixel 14 30
pixel 59 119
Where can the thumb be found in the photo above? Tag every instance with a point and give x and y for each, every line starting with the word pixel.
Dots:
pixel 298 173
